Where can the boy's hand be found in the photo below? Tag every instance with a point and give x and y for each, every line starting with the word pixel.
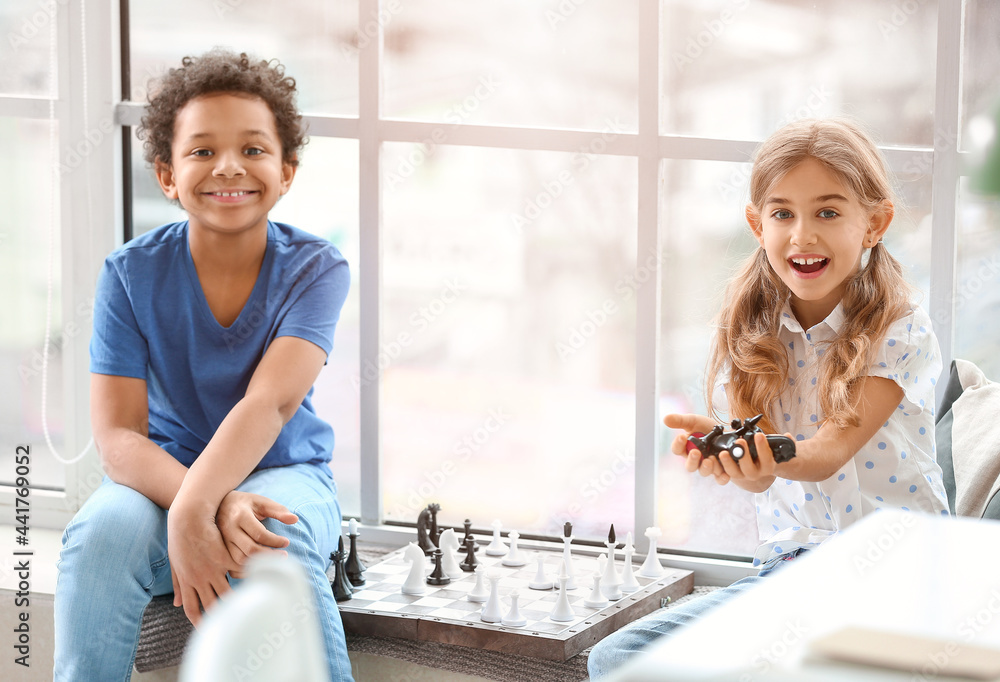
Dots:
pixel 199 560
pixel 239 520
pixel 691 423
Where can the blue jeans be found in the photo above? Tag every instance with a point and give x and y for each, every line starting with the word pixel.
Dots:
pixel 618 648
pixel 114 561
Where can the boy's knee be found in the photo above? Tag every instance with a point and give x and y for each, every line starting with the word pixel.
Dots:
pixel 115 519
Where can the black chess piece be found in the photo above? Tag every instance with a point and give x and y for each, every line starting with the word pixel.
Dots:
pixel 354 568
pixel 341 587
pixel 423 522
pixel 434 532
pixel 468 535
pixel 470 561
pixel 567 530
pixel 437 576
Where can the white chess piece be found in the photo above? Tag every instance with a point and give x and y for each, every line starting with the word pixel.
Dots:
pixel 596 600
pixel 610 582
pixel 491 612
pixel 568 561
pixel 651 567
pixel 496 547
pixel 514 619
pixel 540 581
pixel 479 592
pixel 515 557
pixel 629 583
pixel 448 544
pixel 562 612
pixel 415 581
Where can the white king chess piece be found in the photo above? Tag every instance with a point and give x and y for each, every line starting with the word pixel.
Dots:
pixel 651 567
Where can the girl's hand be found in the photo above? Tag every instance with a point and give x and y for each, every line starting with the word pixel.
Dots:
pixel 239 520
pixel 748 474
pixel 199 560
pixel 691 423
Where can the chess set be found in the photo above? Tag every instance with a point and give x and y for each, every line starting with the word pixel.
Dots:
pixel 544 601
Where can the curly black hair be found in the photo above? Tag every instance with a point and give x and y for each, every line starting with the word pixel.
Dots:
pixel 218 71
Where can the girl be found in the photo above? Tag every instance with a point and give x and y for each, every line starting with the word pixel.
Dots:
pixel 817 333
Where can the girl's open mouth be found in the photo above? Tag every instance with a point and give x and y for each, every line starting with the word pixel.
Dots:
pixel 808 266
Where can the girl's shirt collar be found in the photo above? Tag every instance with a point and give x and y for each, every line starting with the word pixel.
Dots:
pixel 835 320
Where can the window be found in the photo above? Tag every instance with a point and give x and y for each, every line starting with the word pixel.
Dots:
pixel 540 204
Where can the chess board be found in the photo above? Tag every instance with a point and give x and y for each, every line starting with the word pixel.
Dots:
pixel 444 614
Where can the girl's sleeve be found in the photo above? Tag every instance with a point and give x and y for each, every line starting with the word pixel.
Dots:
pixel 323 282
pixel 117 346
pixel 910 356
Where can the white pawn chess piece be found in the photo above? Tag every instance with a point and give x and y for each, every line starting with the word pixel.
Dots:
pixel 568 561
pixel 514 619
pixel 515 557
pixel 541 581
pixel 610 582
pixel 596 600
pixel 479 592
pixel 562 612
pixel 491 612
pixel 651 567
pixel 415 582
pixel 496 547
pixel 448 544
pixel 629 583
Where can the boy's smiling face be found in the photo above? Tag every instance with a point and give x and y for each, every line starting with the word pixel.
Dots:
pixel 814 231
pixel 227 169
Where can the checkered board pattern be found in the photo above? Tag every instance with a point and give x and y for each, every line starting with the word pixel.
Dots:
pixel 444 614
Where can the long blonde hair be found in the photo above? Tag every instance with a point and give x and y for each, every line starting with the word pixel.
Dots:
pixel 746 339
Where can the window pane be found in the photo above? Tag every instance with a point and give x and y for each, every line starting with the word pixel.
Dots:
pixel 977 296
pixel 508 347
pixel 516 63
pixel 705 238
pixel 738 69
pixel 324 201
pixel 26 26
pixel 25 253
pixel 980 70
pixel 316 42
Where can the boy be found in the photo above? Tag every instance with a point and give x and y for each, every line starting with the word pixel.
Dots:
pixel 208 336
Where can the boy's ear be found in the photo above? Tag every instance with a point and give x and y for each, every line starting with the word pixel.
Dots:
pixel 165 176
pixel 753 219
pixel 288 169
pixel 879 223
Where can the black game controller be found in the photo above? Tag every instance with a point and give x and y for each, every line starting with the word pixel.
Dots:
pixel 718 440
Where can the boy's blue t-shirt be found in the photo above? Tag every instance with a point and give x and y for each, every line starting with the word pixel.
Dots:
pixel 152 322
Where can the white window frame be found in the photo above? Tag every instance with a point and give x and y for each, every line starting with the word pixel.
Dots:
pixel 371 129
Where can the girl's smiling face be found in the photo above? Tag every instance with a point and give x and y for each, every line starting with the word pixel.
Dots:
pixel 814 231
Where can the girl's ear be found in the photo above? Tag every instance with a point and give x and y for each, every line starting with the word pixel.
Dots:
pixel 165 176
pixel 879 222
pixel 753 219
